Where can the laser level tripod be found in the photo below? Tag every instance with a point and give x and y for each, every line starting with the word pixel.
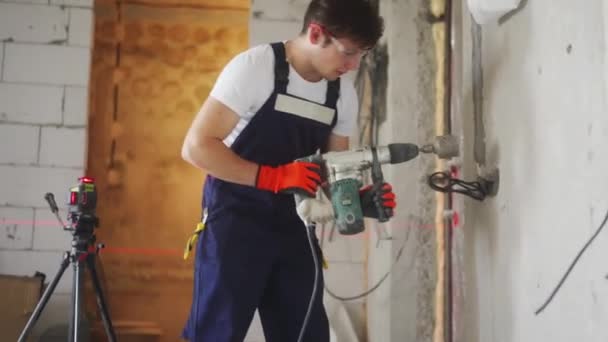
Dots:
pixel 83 199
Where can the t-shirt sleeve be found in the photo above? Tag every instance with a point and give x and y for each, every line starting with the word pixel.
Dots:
pixel 348 108
pixel 237 86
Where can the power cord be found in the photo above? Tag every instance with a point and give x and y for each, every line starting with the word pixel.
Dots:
pixel 309 234
pixel 578 256
pixel 377 285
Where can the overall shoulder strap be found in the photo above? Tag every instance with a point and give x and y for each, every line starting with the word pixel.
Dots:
pixel 331 98
pixel 281 68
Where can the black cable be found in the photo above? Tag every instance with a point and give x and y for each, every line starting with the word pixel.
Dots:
pixel 578 256
pixel 443 182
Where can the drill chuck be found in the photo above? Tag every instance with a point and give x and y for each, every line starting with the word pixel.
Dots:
pixel 445 147
pixel 402 152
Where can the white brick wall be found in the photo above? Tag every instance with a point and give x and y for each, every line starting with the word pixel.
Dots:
pixel 62 146
pixel 30 103
pixel 29 262
pixel 274 20
pixel 44 2
pixel 75 106
pixel 26 137
pixel 279 10
pixel 32 23
pixel 25 186
pixel 16 226
pixel 265 31
pixel 48 64
pixel 44 74
pixel 48 234
pixel 81 28
pixel 73 3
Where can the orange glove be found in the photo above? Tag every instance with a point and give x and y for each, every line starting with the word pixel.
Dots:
pixel 371 200
pixel 295 177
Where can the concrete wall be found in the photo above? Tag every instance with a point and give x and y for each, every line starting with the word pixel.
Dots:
pixel 44 67
pixel 403 309
pixel 544 109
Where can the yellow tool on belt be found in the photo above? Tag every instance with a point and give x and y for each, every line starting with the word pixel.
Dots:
pixel 199 229
pixel 192 240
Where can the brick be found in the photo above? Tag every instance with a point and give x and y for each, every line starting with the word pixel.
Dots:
pixel 264 31
pixel 25 186
pixel 73 3
pixel 18 144
pixel 46 2
pixel 26 263
pixel 16 103
pixel 76 106
pixel 16 225
pixel 81 27
pixel 32 23
pixel 48 64
pixel 63 147
pixel 48 232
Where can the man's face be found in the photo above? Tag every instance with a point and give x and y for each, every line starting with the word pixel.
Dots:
pixel 335 56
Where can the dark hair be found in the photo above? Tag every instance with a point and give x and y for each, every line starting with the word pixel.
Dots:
pixel 358 20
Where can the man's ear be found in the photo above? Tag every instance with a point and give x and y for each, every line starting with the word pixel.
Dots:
pixel 315 34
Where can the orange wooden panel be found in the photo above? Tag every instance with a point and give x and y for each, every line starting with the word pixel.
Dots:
pixel 152 69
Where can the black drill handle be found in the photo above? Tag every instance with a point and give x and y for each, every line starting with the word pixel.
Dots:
pixel 378 182
pixel 382 214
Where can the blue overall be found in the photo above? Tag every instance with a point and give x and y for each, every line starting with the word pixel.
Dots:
pixel 254 251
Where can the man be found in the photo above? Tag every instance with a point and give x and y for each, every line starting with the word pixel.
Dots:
pixel 271 105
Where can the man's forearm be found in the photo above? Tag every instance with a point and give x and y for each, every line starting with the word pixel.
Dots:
pixel 217 159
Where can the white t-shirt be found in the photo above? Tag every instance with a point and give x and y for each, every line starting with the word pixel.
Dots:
pixel 247 81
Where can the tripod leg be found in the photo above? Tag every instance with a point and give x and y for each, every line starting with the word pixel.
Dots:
pixel 45 298
pixel 76 296
pixel 101 301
